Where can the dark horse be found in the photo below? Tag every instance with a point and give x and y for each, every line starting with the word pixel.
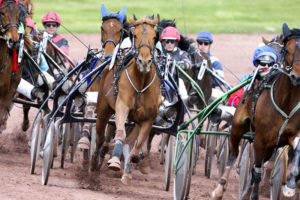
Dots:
pixel 12 13
pixel 137 95
pixel 276 116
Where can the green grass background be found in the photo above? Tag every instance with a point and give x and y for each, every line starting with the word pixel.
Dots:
pixel 192 16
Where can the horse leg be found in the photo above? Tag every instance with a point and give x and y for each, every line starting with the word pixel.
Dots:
pixel 110 130
pixel 127 175
pixel 25 124
pixel 121 115
pixel 240 125
pixel 145 128
pixel 290 187
pixel 144 164
pixel 102 119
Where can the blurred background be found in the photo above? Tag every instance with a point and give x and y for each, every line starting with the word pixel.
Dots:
pixel 217 16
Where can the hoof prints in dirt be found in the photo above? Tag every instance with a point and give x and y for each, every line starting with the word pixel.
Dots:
pixel 88 180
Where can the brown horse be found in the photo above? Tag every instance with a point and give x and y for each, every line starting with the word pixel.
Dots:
pixel 113 32
pixel 276 116
pixel 138 95
pixel 12 13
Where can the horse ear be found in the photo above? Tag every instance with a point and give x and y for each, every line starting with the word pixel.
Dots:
pixel 152 17
pixel 134 17
pixel 158 18
pixel 122 14
pixel 265 41
pixel 104 11
pixel 155 20
pixel 286 31
pixel 132 21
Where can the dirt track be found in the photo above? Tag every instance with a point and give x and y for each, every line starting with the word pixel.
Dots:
pixel 234 51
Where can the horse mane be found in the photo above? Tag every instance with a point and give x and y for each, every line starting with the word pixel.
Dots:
pixel 145 20
pixel 277 38
pixel 184 44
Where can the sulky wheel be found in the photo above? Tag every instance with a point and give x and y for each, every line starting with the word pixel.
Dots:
pixel 48 150
pixel 35 142
pixel 181 172
pixel 168 162
pixel 65 142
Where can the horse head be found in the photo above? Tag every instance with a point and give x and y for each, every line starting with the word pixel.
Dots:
pixel 12 14
pixel 29 7
pixel 112 29
pixel 144 37
pixel 292 53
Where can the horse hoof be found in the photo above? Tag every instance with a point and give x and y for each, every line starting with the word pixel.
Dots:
pixel 84 143
pixel 126 179
pixel 114 164
pixel 288 192
pixel 134 158
pixel 25 126
pixel 217 194
pixel 145 170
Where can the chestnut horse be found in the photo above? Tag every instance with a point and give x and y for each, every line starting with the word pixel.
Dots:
pixel 274 117
pixel 137 96
pixel 12 13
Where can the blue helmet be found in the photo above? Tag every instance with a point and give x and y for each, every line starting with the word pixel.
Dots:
pixel 264 54
pixel 205 36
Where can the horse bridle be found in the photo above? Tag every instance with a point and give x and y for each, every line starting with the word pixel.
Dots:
pixel 111 40
pixel 144 45
pixel 6 27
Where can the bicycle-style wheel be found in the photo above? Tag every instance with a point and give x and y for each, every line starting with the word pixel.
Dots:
pixel 65 143
pixel 75 135
pixel 210 153
pixel 245 165
pixel 223 154
pixel 35 143
pixel 278 175
pixel 48 150
pixel 181 172
pixel 191 160
pixel 93 140
pixel 168 163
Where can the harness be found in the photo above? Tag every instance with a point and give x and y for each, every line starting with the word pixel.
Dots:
pixel 133 53
pixel 274 75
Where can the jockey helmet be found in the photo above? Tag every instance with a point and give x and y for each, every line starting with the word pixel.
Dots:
pixel 30 23
pixel 170 33
pixel 264 54
pixel 205 36
pixel 51 17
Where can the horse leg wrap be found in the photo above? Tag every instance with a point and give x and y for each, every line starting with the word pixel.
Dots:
pixel 222 181
pixel 126 153
pixel 256 178
pixel 118 149
pixel 290 187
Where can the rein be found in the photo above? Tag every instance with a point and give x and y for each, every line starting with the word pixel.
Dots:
pixel 286 116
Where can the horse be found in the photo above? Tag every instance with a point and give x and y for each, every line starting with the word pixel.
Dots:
pixel 12 13
pixel 274 117
pixel 137 95
pixel 114 30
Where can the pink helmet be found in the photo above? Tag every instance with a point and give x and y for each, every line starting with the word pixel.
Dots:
pixel 170 33
pixel 51 17
pixel 30 23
